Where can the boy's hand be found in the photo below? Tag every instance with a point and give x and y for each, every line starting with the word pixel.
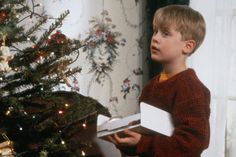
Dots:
pixel 131 138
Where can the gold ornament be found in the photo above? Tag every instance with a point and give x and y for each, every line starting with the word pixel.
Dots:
pixel 6 147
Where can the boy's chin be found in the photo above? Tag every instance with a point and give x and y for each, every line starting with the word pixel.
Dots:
pixel 156 58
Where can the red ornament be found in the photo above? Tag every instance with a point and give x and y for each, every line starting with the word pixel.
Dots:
pixel 58 32
pixel 3 16
pixel 57 38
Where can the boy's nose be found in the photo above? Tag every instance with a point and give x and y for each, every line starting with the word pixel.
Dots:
pixel 156 38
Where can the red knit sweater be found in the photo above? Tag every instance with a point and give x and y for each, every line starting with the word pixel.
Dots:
pixel 188 101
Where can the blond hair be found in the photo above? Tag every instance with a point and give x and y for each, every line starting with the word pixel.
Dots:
pixel 185 20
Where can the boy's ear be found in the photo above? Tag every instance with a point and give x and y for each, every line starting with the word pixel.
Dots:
pixel 189 47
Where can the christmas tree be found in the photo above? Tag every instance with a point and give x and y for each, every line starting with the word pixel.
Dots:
pixel 36 120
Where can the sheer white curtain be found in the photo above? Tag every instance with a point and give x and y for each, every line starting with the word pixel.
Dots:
pixel 215 65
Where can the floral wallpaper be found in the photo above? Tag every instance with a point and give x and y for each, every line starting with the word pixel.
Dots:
pixel 101 46
pixel 112 59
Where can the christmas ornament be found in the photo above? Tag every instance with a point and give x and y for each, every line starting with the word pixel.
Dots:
pixel 3 16
pixel 5 56
pixel 57 38
pixel 6 147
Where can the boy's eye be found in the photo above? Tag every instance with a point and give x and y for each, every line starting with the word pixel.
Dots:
pixel 155 32
pixel 165 33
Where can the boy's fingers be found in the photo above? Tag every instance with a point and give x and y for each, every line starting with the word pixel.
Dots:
pixel 119 140
pixel 111 139
pixel 130 133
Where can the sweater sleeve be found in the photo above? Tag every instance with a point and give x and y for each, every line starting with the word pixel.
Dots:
pixel 190 136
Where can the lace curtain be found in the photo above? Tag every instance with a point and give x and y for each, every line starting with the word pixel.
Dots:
pixel 215 64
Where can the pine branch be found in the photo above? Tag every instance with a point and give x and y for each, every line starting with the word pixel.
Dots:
pixel 22 9
pixel 37 76
pixel 35 90
pixel 54 26
pixel 36 26
pixel 31 12
pixel 15 1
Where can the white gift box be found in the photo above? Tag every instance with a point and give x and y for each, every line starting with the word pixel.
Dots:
pixel 150 120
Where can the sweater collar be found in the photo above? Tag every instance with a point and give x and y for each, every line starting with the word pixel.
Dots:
pixel 188 71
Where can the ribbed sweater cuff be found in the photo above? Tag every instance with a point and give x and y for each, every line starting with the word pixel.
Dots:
pixel 144 145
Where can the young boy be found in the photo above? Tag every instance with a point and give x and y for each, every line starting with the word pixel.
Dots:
pixel 178 32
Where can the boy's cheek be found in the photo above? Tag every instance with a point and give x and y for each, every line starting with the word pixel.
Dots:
pixel 151 45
